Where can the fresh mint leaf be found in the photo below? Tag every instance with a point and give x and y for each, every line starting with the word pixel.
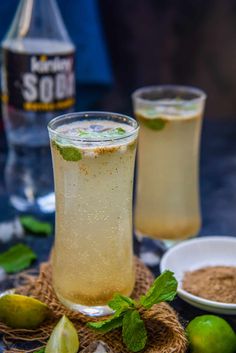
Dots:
pixel 127 316
pixel 106 133
pixel 106 325
pixel 17 258
pixel 69 153
pixel 120 303
pixel 120 131
pixel 133 331
pixel 163 289
pixel 155 124
pixel 35 226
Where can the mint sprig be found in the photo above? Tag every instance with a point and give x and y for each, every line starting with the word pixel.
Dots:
pixel 127 313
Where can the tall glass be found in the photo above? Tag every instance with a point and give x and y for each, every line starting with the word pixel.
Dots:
pixel 93 161
pixel 167 204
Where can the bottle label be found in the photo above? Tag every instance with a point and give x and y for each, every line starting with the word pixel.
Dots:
pixel 38 83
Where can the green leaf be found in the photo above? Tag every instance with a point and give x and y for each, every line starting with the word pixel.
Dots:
pixel 126 315
pixel 17 258
pixel 107 325
pixel 120 131
pixel 106 133
pixel 42 350
pixel 134 332
pixel 163 289
pixel 154 124
pixel 35 226
pixel 121 302
pixel 69 153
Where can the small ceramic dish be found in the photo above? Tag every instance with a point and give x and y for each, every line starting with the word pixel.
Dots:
pixel 197 253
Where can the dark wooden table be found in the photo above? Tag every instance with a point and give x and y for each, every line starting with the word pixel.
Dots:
pixel 218 197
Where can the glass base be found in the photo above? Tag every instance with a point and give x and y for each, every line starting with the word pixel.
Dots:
pixel 93 311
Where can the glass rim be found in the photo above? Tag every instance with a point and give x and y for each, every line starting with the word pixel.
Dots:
pixel 104 115
pixel 200 94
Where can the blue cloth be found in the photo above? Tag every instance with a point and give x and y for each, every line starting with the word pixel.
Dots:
pixel 82 20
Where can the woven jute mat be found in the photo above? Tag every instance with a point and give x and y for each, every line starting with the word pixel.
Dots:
pixel 165 333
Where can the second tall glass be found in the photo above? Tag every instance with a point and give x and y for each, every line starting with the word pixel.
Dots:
pixel 167 206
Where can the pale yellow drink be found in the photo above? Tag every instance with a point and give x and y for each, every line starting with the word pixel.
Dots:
pixel 93 255
pixel 167 202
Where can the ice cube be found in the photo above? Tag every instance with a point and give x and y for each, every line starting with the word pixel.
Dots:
pixel 97 347
pixel 96 127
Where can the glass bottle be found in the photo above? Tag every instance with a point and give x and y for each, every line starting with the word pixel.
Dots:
pixel 38 82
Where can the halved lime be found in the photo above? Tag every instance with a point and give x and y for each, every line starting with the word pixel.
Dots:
pixel 20 311
pixel 64 338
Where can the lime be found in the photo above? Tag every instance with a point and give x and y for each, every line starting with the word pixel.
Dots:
pixel 19 311
pixel 64 338
pixel 211 334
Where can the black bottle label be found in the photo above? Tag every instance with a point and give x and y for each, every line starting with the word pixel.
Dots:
pixel 38 83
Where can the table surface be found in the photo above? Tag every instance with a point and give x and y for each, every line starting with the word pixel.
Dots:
pixel 218 197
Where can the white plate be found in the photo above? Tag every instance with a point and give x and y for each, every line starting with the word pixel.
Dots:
pixel 194 254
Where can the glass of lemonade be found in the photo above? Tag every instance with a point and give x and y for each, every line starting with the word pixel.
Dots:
pixel 93 161
pixel 167 201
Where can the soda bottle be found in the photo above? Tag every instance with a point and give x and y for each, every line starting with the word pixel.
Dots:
pixel 38 83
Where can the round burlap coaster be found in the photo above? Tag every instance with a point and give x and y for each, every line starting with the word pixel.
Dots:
pixel 165 333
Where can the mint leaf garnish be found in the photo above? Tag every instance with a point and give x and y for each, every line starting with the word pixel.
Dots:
pixel 17 258
pixel 69 153
pixel 35 226
pixel 106 133
pixel 155 124
pixel 126 311
pixel 163 289
pixel 120 303
pixel 119 130
pixel 107 325
pixel 133 331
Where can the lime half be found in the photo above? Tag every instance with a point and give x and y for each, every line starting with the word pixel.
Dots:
pixel 19 311
pixel 64 338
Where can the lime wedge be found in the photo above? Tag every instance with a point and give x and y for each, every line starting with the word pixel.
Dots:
pixel 64 338
pixel 19 311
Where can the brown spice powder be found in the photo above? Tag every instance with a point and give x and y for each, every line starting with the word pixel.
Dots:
pixel 217 283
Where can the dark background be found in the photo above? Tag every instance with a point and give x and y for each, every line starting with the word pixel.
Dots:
pixel 190 42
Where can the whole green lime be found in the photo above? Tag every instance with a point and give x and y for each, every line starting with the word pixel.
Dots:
pixel 211 334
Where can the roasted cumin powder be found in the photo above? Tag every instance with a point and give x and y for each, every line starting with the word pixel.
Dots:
pixel 216 283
